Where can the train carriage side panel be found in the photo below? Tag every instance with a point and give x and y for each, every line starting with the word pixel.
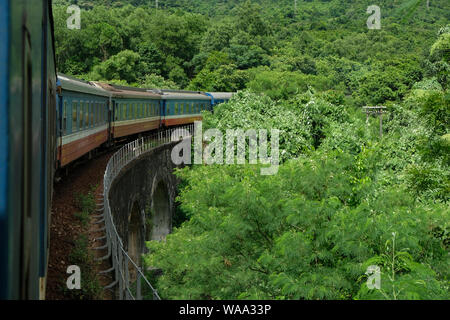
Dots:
pixel 135 110
pixel 4 149
pixel 183 107
pixel 49 100
pixel 23 26
pixel 84 119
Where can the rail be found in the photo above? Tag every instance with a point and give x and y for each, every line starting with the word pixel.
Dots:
pixel 116 252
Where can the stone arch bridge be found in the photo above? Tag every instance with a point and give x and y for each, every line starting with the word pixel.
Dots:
pixel 139 190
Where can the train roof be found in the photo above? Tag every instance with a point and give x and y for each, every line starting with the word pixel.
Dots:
pixel 180 95
pixel 118 91
pixel 69 83
pixel 221 95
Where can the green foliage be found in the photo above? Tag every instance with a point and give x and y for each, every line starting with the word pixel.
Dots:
pixel 83 216
pixel 302 234
pixel 401 277
pixel 86 202
pixel 311 231
pixel 248 110
pixel 156 81
pixel 324 45
pixel 90 286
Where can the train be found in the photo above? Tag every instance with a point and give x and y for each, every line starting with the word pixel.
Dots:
pixel 95 114
pixel 49 121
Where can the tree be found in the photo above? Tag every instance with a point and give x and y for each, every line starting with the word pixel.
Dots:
pixel 126 65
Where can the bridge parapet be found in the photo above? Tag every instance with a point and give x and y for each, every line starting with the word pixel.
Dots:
pixel 119 255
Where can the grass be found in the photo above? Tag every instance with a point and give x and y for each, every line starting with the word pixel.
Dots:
pixel 80 254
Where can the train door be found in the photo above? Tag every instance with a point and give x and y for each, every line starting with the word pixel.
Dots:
pixel 26 183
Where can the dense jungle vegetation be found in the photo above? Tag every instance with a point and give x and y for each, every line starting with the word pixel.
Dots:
pixel 343 198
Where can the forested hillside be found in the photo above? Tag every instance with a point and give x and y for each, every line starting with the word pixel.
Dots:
pixel 344 198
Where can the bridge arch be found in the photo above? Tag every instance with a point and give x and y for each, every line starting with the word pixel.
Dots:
pixel 161 213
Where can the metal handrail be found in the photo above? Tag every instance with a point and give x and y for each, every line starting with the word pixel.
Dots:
pixel 119 256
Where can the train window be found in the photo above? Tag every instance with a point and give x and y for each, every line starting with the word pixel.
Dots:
pixel 80 115
pixel 96 114
pixel 64 119
pixel 91 112
pixel 100 109
pixel 74 116
pixel 176 108
pixel 86 115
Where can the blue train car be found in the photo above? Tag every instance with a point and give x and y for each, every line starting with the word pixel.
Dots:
pixel 183 107
pixel 83 118
pixel 219 97
pixel 27 145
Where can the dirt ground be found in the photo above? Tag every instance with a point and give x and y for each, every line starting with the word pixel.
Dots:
pixel 66 227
